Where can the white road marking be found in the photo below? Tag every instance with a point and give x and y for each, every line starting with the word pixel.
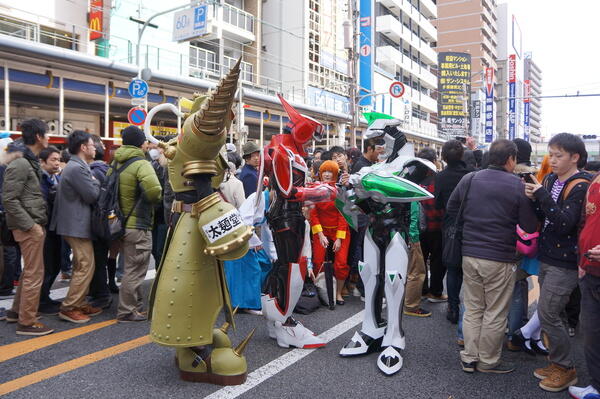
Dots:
pixel 60 293
pixel 284 361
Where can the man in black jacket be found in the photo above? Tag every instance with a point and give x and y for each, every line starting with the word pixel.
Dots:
pixel 559 200
pixel 489 256
pixel 445 183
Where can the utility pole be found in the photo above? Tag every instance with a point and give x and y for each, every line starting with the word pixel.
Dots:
pixel 350 34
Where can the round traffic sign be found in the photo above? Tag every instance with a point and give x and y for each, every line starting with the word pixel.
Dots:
pixel 137 88
pixel 136 116
pixel 397 89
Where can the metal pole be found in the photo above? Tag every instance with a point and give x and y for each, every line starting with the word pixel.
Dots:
pixel 327 130
pixel 352 69
pixel 179 117
pixel 106 109
pixel 141 33
pixel 6 98
pixel 241 116
pixel 61 105
pixel 260 141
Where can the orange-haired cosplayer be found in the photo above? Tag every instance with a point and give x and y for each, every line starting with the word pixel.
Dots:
pixel 328 225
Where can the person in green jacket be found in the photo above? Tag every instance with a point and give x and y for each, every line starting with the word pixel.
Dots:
pixel 139 191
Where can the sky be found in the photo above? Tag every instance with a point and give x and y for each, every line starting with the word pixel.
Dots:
pixel 563 38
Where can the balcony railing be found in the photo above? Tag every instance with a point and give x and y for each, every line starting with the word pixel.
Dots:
pixel 37 33
pixel 236 17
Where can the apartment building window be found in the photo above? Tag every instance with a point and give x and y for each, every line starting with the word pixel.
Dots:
pixel 26 30
pixel 58 38
pixel 203 59
pixel 17 28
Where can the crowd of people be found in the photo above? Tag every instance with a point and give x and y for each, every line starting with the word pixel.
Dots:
pixel 517 219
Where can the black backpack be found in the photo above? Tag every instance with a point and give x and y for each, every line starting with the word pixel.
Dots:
pixel 108 221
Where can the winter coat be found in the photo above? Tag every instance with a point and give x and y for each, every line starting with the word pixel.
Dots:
pixel 99 170
pixel 558 241
pixel 249 178
pixel 21 193
pixel 49 184
pixel 77 192
pixel 495 205
pixel 139 178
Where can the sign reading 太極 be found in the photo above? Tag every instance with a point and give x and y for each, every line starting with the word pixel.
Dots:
pixel 454 88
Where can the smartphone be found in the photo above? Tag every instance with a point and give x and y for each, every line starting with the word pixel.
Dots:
pixel 527 176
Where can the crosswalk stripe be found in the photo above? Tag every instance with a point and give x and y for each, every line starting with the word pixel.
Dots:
pixel 60 293
pixel 20 348
pixel 71 365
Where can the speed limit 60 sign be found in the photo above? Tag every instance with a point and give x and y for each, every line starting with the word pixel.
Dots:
pixel 397 89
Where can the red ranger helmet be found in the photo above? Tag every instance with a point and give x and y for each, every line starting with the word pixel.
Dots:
pixel 303 128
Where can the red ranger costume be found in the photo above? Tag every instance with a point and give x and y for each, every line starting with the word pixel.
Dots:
pixel 283 159
pixel 325 217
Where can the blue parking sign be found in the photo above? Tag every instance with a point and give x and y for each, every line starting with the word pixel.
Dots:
pixel 200 17
pixel 138 88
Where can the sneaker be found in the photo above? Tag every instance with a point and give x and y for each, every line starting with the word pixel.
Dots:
pixel 559 380
pixel 544 372
pixel 49 309
pixel 256 312
pixel 13 317
pixel 133 317
pixel 74 316
pixel 468 367
pixel 356 292
pixel 452 315
pixel 34 329
pixel 571 331
pixel 580 393
pixel 102 303
pixel 500 368
pixel 460 342
pixel 436 298
pixel 2 314
pixel 418 313
pixel 16 283
pixel 89 310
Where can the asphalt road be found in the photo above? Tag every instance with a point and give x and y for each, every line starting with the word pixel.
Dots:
pixel 146 370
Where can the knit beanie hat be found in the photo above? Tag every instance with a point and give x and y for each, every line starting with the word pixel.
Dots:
pixel 132 135
pixel 523 151
pixel 329 166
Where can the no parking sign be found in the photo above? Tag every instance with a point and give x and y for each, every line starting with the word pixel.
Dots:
pixel 136 116
pixel 397 89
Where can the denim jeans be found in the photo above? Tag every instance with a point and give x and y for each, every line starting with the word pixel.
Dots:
pixel 517 313
pixel 454 281
pixel 459 331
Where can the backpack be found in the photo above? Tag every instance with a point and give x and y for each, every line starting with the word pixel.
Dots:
pixel 108 221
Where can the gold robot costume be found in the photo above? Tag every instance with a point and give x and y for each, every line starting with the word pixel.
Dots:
pixel 190 288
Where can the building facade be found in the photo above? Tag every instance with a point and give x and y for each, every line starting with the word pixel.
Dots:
pixel 403 38
pixel 533 78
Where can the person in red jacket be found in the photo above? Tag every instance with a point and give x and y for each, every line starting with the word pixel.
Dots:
pixel 328 224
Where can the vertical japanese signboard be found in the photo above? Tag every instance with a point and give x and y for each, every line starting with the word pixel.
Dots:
pixel 95 19
pixel 489 105
pixel 454 87
pixel 526 105
pixel 366 49
pixel 512 89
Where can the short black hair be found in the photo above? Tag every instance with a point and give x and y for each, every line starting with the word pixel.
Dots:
pixel 428 153
pixel 326 155
pixel 99 148
pixel 65 156
pixel 572 144
pixel 46 152
pixel 318 150
pixel 501 151
pixel 235 159
pixel 452 151
pixel 372 142
pixel 336 149
pixel 593 166
pixel 76 139
pixel 31 128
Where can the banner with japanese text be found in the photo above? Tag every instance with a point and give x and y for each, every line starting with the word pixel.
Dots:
pixel 454 91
